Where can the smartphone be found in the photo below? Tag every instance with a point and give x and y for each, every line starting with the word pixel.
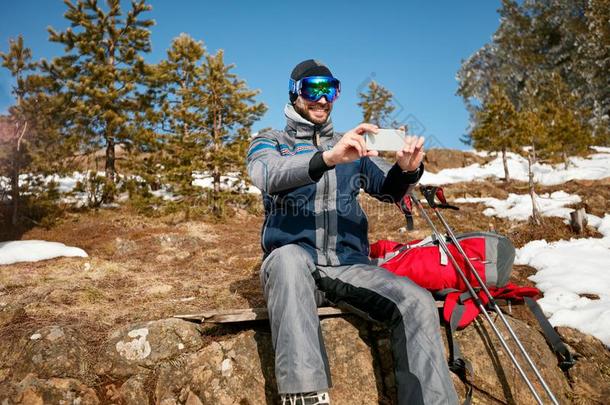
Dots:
pixel 385 140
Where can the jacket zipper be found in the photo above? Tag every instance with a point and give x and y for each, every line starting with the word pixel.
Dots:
pixel 325 205
pixel 326 219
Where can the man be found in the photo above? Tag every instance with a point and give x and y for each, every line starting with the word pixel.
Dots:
pixel 316 246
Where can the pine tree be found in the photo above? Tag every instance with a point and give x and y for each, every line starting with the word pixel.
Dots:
pixel 496 126
pixel 537 38
pixel 565 128
pixel 14 127
pixel 206 114
pixel 377 105
pixel 184 133
pixel 230 111
pixel 100 73
pixel 594 65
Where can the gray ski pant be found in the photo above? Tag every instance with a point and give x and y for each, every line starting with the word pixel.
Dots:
pixel 293 285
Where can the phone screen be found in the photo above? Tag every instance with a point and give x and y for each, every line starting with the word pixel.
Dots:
pixel 385 140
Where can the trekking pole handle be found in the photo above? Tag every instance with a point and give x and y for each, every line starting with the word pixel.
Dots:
pixel 431 193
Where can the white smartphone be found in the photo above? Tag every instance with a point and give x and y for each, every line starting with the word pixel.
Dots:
pixel 385 140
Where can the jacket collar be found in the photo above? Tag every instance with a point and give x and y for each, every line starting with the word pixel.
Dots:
pixel 304 129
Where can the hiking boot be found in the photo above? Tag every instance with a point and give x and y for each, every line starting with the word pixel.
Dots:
pixel 306 398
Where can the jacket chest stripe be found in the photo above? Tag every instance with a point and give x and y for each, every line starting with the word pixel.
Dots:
pixel 320 219
pixel 332 218
pixel 298 148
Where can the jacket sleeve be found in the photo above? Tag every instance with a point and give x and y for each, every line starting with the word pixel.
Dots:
pixel 271 172
pixel 387 182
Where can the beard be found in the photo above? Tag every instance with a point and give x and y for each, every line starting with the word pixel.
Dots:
pixel 317 113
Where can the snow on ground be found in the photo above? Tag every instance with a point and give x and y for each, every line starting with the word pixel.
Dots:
pixel 595 166
pixel 67 184
pixel 567 270
pixel 232 180
pixel 519 206
pixel 35 250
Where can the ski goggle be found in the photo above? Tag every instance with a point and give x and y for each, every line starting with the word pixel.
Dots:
pixel 314 88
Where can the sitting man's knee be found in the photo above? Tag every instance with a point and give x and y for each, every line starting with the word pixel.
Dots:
pixel 288 262
pixel 416 298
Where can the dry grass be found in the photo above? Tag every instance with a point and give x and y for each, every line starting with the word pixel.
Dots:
pixel 139 269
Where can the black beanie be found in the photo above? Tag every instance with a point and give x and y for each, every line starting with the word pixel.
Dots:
pixel 309 67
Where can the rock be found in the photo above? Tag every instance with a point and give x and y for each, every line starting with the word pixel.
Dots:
pixel 495 376
pixel 138 347
pixel 54 351
pixel 240 368
pixel 124 246
pixel 133 391
pixel 591 374
pixel 439 159
pixel 166 362
pixel 159 289
pixel 34 391
pixel 192 399
pixel 178 241
pixel 10 312
pixel 164 258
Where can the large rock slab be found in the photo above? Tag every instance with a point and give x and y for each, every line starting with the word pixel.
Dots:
pixel 171 361
pixel 496 379
pixel 239 369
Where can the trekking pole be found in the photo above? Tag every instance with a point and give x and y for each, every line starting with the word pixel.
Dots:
pixel 429 193
pixel 474 295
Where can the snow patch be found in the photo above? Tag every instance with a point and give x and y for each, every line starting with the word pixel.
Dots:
pixel 35 250
pixel 569 272
pixel 519 206
pixel 230 181
pixel 595 166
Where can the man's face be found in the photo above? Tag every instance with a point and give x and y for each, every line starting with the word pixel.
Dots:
pixel 313 111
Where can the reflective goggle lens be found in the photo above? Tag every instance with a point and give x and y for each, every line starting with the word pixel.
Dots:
pixel 314 87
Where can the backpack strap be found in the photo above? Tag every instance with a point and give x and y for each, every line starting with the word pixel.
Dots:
pixel 566 361
pixel 457 363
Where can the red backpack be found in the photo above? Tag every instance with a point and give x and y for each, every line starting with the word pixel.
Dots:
pixel 492 255
pixel 426 264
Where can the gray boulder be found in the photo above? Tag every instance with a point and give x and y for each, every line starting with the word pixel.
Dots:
pixel 53 351
pixel 139 347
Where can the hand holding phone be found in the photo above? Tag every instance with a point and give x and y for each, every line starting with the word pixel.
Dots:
pixel 385 140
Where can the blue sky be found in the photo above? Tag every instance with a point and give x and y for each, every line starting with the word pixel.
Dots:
pixel 414 48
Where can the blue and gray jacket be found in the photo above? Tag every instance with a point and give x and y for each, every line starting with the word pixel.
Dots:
pixel 311 204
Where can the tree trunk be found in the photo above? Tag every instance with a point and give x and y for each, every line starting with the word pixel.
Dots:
pixel 15 187
pixel 566 161
pixel 536 218
pixel 110 157
pixel 505 163
pixel 15 170
pixel 578 220
pixel 535 159
pixel 216 208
